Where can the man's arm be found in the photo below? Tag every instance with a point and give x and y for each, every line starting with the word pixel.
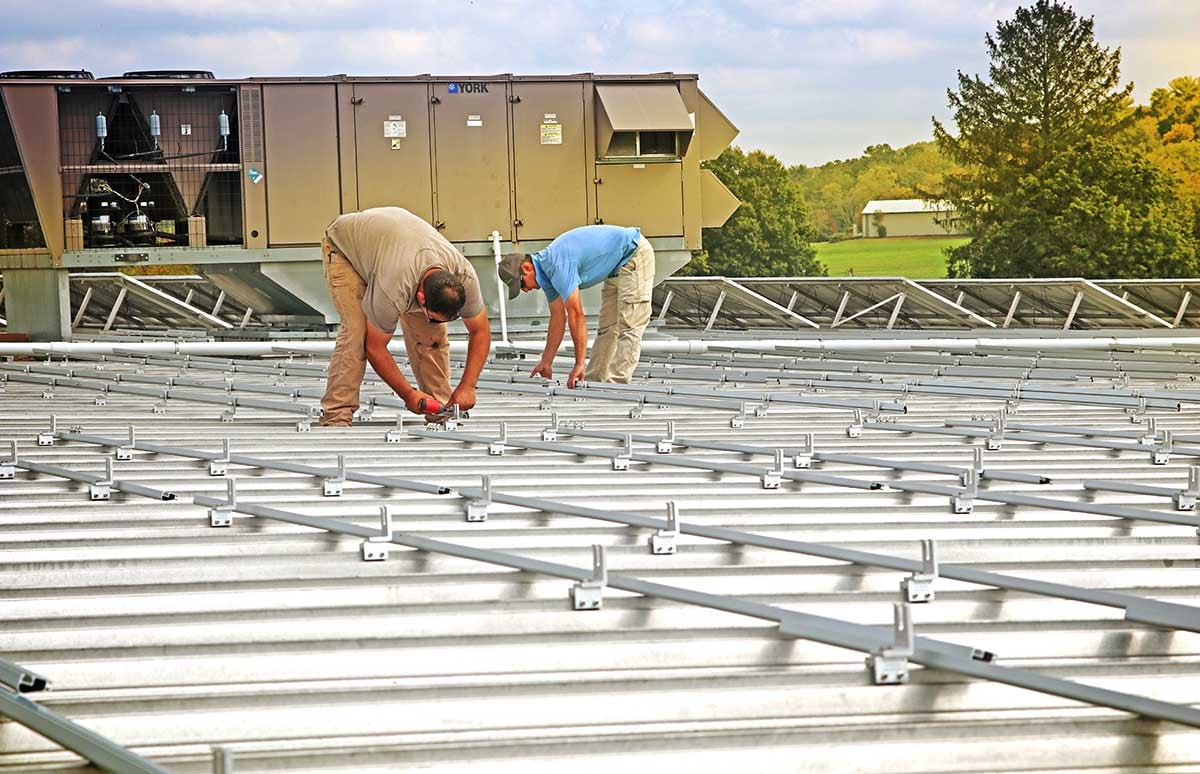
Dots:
pixel 479 343
pixel 385 365
pixel 578 324
pixel 554 336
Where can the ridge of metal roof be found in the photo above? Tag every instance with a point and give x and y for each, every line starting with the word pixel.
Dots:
pixel 1060 547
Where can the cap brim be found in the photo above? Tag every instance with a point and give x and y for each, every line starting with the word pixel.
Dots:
pixel 514 289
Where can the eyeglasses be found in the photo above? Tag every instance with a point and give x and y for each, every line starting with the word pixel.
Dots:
pixel 435 321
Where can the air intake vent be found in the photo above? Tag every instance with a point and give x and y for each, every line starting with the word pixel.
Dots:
pixel 250 109
pixel 72 75
pixel 187 75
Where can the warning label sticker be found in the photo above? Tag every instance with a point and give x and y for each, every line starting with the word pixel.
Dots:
pixel 551 132
pixel 395 127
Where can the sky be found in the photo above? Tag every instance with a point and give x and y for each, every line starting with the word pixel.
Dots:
pixel 809 80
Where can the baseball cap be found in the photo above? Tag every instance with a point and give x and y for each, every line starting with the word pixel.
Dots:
pixel 510 272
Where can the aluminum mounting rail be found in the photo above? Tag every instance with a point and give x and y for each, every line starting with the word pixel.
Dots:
pixel 388 482
pixel 937 654
pixel 845 459
pixel 1185 499
pixel 99 487
pixel 101 751
pixel 1168 399
pixel 777 473
pixel 1087 432
pixel 1043 438
pixel 969 389
pixel 967 363
pixel 109 384
pixel 751 397
pixel 1034 501
pixel 1136 609
pixel 21 680
pixel 769 477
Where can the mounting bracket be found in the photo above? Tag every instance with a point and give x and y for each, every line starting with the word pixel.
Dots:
pixel 8 467
pixel 374 548
pixel 663 541
pixel 889 665
pixel 332 486
pixel 102 489
pixel 218 466
pixel 589 594
pixel 477 507
pixel 222 515
pixel 918 587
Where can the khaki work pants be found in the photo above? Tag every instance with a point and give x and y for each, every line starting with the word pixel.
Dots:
pixel 427 344
pixel 624 315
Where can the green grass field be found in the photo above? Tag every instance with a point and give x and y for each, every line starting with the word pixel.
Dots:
pixel 911 257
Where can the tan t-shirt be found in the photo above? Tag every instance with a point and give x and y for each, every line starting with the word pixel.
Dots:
pixel 391 249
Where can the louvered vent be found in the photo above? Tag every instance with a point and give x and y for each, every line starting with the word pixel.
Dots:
pixel 252 125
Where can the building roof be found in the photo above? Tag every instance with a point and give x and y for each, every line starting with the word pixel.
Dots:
pixel 897 206
pixel 759 503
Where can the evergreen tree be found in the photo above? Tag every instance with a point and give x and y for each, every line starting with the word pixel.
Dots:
pixel 1051 110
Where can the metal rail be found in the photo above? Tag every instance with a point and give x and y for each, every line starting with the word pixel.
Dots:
pixel 388 482
pixel 654 459
pixel 1043 438
pixel 845 459
pixel 1138 609
pixel 930 653
pixel 953 493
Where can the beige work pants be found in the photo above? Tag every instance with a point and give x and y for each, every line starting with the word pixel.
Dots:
pixel 624 315
pixel 427 344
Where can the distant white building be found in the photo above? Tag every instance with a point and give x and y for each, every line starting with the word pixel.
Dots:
pixel 909 217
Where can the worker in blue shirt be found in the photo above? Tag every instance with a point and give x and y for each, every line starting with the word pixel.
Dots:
pixel 619 257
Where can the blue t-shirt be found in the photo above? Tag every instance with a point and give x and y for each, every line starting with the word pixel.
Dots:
pixel 583 257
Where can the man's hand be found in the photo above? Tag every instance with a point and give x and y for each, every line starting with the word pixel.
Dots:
pixel 463 397
pixel 412 401
pixel 542 369
pixel 575 377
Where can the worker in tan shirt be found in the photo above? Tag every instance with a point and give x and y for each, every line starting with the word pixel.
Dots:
pixel 386 267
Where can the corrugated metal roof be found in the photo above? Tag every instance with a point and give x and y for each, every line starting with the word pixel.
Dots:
pixel 278 641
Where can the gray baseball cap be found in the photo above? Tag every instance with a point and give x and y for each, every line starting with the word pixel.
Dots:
pixel 510 273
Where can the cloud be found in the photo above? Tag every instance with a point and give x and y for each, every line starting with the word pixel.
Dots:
pixel 886 45
pixel 276 9
pixel 51 54
pixel 654 32
pixel 805 79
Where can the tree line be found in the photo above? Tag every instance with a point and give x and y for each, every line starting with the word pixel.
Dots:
pixel 1052 169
